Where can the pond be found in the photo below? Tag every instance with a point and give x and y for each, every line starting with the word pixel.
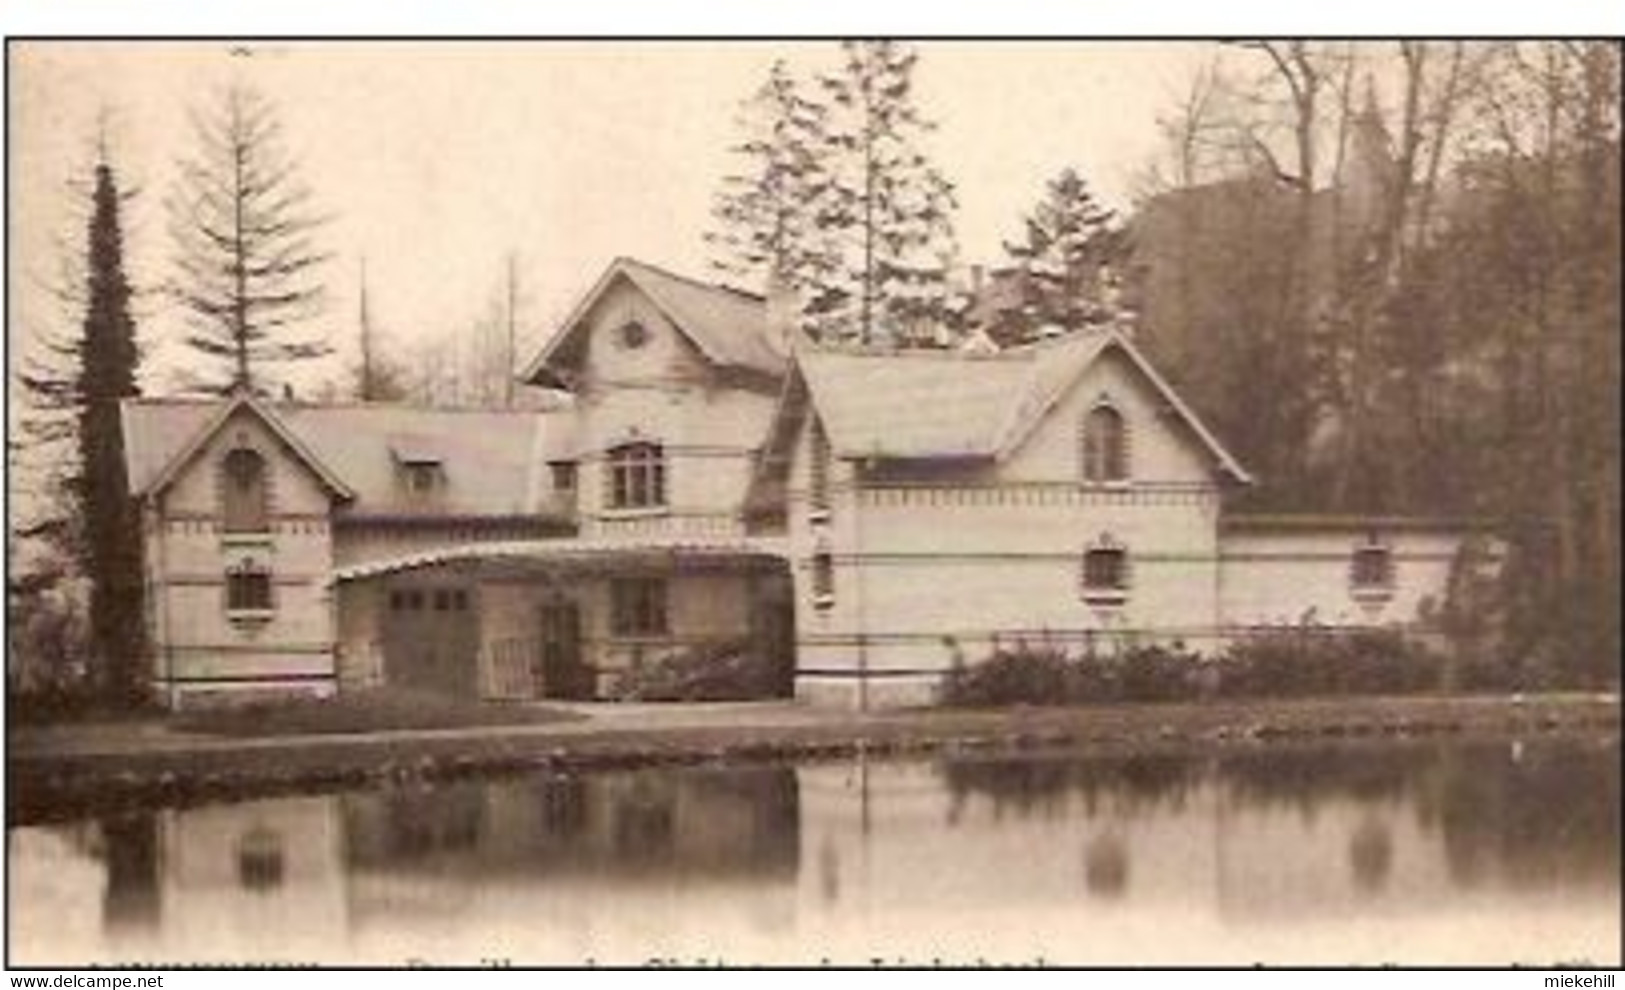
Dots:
pixel 1498 853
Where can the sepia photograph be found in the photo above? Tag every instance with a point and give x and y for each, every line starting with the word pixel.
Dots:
pixel 872 502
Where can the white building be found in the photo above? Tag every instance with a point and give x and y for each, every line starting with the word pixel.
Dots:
pixel 859 519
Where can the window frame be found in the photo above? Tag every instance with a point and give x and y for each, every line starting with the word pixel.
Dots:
pixel 823 579
pixel 1114 589
pixel 1104 455
pixel 422 479
pixel 563 476
pixel 249 593
pixel 640 607
pixel 1368 585
pixel 635 477
pixel 236 494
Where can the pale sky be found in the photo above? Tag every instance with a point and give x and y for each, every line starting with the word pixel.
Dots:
pixel 437 159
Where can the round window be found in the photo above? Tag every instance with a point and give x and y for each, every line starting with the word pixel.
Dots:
pixel 633 334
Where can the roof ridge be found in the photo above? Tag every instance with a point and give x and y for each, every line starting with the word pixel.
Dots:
pixel 173 400
pixel 403 407
pixel 918 353
pixel 692 280
pixel 281 406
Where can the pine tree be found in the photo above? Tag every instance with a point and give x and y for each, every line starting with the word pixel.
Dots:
pixel 247 266
pixel 767 234
pixel 887 206
pixel 1065 263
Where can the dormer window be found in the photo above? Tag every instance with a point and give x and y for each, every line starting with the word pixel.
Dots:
pixel 421 479
pixel 420 468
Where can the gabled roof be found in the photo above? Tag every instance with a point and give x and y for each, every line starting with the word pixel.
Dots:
pixel 211 417
pixel 935 404
pixel 485 455
pixel 728 326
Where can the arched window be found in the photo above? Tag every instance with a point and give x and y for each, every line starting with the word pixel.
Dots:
pixel 1105 447
pixel 246 508
pixel 637 476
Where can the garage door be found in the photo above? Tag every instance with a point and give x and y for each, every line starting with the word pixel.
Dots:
pixel 431 639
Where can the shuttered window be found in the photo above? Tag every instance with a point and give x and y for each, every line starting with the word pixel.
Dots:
pixel 245 504
pixel 1105 446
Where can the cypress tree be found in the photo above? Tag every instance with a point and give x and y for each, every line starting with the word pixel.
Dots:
pixel 111 518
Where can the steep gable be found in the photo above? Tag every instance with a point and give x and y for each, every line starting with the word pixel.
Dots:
pixel 725 326
pixel 936 405
pixel 487 457
pixel 157 456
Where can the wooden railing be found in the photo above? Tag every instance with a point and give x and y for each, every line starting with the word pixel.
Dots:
pixel 1033 494
pixel 654 526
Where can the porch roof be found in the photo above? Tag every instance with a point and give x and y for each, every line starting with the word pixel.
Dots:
pixel 565 553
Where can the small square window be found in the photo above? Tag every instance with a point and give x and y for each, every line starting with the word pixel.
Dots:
pixel 459 600
pixel 564 476
pixel 248 589
pixel 1371 573
pixel 1105 574
pixel 442 600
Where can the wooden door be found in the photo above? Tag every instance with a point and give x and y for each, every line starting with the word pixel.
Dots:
pixel 431 640
pixel 563 673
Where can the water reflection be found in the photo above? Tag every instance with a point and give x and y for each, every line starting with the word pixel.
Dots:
pixel 1476 853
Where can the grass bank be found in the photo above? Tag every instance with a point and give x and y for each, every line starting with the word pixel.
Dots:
pixel 56 778
pixel 380 710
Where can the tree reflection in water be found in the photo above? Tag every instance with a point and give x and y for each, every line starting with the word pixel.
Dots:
pixel 130 902
pixel 1532 814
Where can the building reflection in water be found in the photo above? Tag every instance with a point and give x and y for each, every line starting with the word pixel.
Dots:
pixel 944 852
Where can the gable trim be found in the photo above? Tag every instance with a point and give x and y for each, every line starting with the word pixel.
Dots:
pixel 1024 427
pixel 166 477
pixel 780 440
pixel 627 268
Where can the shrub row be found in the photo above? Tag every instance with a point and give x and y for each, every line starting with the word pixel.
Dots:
pixel 721 671
pixel 1274 663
